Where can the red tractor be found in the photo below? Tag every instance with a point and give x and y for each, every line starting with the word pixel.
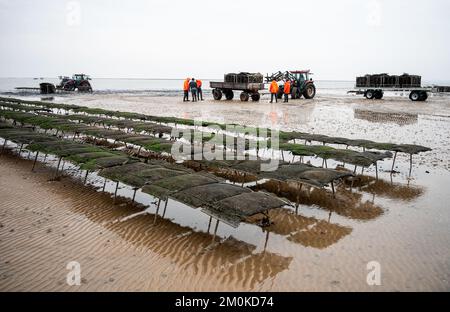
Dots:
pixel 78 82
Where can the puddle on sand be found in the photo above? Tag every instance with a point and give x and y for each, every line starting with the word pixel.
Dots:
pixel 404 224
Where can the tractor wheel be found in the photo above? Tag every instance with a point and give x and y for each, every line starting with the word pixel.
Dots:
pixel 256 97
pixel 414 96
pixel 217 94
pixel 370 94
pixel 310 91
pixel 378 95
pixel 423 96
pixel 84 87
pixel 245 97
pixel 69 87
pixel 229 95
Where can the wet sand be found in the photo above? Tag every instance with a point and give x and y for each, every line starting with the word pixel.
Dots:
pixel 47 224
pixel 403 223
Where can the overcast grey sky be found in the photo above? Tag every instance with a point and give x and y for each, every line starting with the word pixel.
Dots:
pixel 336 39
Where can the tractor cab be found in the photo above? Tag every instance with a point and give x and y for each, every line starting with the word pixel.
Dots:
pixel 302 77
pixel 80 77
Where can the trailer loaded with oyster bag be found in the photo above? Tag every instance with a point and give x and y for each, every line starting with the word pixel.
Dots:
pixel 248 83
pixel 374 86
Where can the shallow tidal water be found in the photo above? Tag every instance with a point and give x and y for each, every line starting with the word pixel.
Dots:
pixel 402 222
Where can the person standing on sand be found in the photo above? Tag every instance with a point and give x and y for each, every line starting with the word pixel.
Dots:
pixel 193 88
pixel 287 91
pixel 273 91
pixel 199 90
pixel 186 90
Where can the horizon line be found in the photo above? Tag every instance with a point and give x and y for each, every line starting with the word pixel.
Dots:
pixel 207 79
pixel 136 78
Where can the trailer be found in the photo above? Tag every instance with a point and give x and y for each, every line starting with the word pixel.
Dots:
pixel 47 88
pixel 374 86
pixel 248 83
pixel 415 94
pixel 441 89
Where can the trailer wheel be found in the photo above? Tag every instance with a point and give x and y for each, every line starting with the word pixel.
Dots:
pixel 414 96
pixel 256 97
pixel 229 95
pixel 245 97
pixel 370 94
pixel 378 95
pixel 423 96
pixel 217 94
pixel 310 91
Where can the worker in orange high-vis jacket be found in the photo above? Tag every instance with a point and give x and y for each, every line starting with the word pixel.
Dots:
pixel 186 89
pixel 199 90
pixel 287 91
pixel 273 91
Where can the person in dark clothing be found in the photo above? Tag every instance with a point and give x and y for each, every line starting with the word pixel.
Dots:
pixel 193 88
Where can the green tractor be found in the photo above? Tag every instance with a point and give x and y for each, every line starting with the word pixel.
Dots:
pixel 301 83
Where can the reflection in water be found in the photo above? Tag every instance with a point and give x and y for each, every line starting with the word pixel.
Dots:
pixel 251 269
pixel 401 119
pixel 228 260
pixel 308 232
pixel 346 203
pixel 307 111
pixel 222 259
pixel 387 189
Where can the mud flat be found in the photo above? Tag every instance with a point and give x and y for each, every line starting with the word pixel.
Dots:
pixel 393 119
pixel 402 222
pixel 47 224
